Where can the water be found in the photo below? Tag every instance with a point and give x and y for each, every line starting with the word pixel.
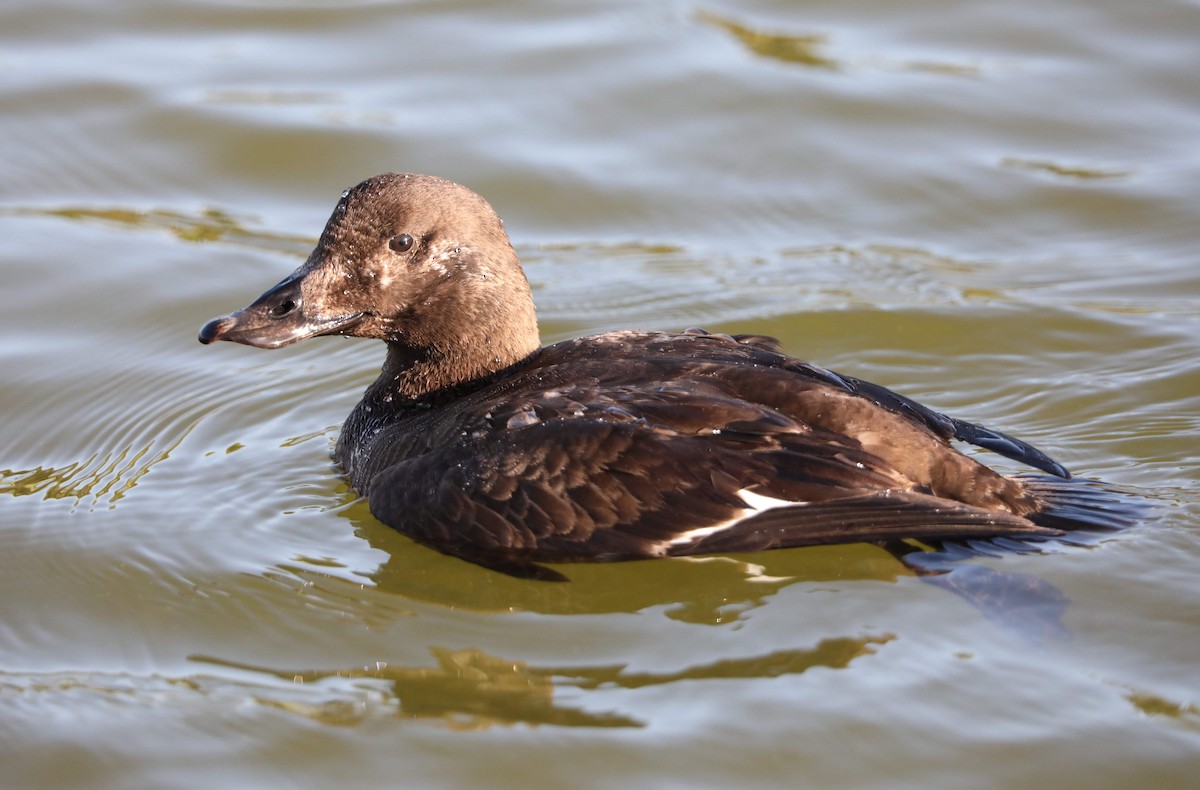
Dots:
pixel 990 207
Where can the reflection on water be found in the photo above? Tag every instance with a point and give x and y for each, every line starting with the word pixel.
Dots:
pixel 210 225
pixel 718 590
pixel 109 476
pixel 467 689
pixel 811 50
pixel 1065 171
pixel 711 591
pixel 805 50
pixel 124 436
pixel 471 689
pixel 1186 713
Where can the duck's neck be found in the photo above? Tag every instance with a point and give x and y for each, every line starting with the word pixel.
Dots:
pixel 417 374
pixel 481 321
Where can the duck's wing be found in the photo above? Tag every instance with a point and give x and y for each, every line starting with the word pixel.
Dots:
pixel 568 490
pixel 953 428
pixel 695 349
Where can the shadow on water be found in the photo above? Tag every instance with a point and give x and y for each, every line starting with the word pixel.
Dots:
pixel 1017 602
pixel 470 689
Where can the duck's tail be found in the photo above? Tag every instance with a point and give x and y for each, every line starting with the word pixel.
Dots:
pixel 1084 509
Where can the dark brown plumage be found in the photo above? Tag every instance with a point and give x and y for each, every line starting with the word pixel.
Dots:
pixel 623 445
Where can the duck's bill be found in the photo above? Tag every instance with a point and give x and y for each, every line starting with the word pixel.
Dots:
pixel 277 318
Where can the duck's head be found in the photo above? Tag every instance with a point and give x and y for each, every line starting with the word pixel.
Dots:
pixel 418 261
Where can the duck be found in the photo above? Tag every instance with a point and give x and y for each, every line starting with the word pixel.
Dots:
pixel 479 442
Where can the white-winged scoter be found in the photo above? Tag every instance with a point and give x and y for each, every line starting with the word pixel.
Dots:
pixel 479 442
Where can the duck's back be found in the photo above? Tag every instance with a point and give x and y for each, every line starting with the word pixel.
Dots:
pixel 692 383
pixel 636 444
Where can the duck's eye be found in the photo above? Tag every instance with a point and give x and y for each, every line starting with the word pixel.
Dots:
pixel 401 243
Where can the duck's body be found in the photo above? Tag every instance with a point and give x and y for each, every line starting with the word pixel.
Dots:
pixel 624 445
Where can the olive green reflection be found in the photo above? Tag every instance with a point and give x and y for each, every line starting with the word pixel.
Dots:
pixel 211 225
pixel 802 49
pixel 471 689
pixel 1087 173
pixel 706 590
pixel 102 477
pixel 1187 714
pixel 716 590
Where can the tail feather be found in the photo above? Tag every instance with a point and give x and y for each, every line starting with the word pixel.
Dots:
pixel 1082 507
pixel 1084 512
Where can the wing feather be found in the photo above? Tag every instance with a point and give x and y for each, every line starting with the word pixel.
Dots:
pixel 637 445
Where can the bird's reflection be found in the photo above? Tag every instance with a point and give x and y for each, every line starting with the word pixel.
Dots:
pixel 707 590
pixel 714 590
pixel 472 689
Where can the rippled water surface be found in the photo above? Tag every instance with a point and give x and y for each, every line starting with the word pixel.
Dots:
pixel 992 207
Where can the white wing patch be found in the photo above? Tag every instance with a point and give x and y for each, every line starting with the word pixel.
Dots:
pixel 755 504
